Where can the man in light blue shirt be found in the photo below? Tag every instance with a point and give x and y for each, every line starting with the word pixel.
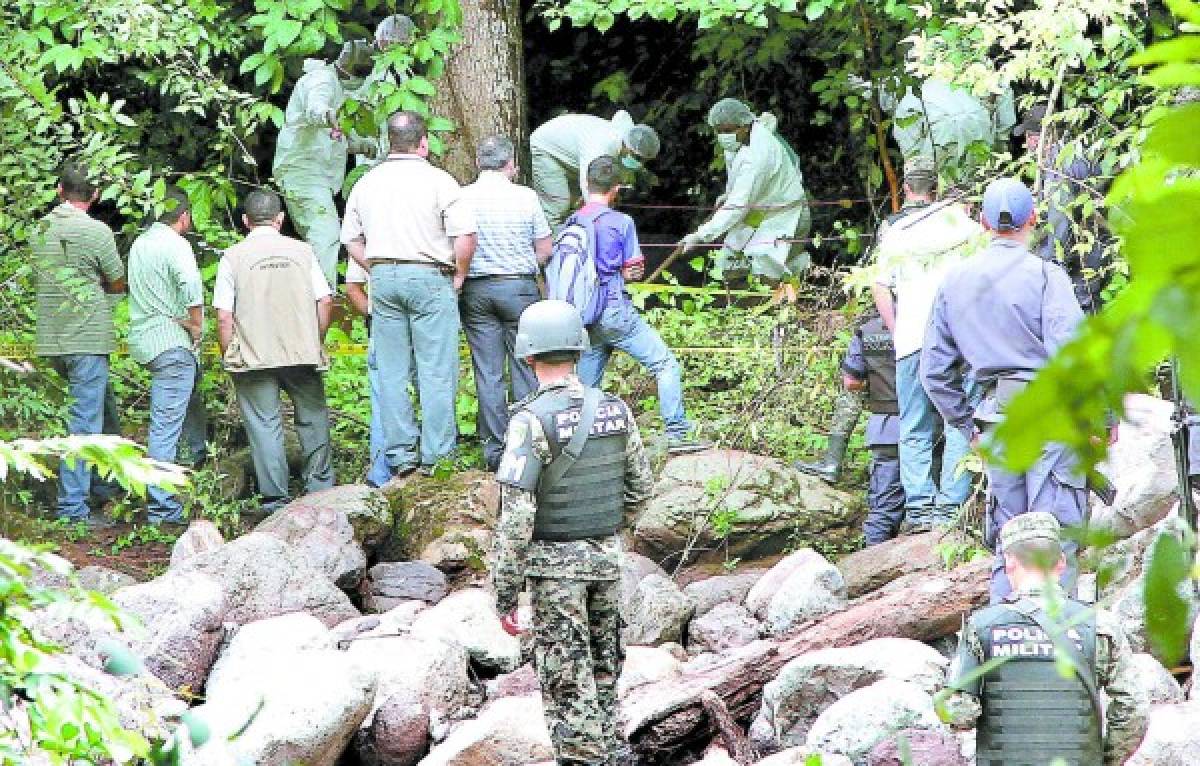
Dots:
pixel 166 319
pixel 514 241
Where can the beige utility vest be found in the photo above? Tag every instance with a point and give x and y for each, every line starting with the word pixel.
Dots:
pixel 275 310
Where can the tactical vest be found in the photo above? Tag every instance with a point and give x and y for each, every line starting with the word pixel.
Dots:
pixel 1031 714
pixel 880 355
pixel 589 500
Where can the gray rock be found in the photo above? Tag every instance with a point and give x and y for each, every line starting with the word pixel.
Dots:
pixel 645 665
pixel 812 588
pixel 312 702
pixel 768 504
pixel 727 626
pixel 398 734
pixel 323 535
pixel 368 510
pixel 710 592
pixel 1172 737
pixel 924 746
pixel 865 717
pixel 182 614
pixel 391 583
pixel 802 756
pixel 264 577
pixel 103 580
pixel 1141 466
pixel 256 644
pixel 426 671
pixel 1156 682
pixel 143 703
pixel 507 732
pixel 808 685
pixel 469 618
pixel 522 682
pixel 876 566
pixel 634 569
pixel 657 613
pixel 201 536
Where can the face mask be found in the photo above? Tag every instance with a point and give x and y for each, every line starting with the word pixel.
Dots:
pixel 631 162
pixel 729 142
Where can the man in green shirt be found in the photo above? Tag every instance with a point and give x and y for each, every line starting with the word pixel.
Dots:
pixel 77 271
pixel 166 318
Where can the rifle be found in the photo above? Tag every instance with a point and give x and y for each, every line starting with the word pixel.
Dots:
pixel 1179 438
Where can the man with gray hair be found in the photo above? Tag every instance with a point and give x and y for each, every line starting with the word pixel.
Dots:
pixel 408 225
pixel 514 240
pixel 273 308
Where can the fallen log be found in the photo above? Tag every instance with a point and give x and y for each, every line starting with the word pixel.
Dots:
pixel 660 719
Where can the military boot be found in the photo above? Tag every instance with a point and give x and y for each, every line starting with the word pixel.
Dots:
pixel 829 467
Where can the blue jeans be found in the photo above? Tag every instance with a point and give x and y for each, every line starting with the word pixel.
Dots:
pixel 621 327
pixel 92 410
pixel 414 324
pixel 378 470
pixel 927 500
pixel 176 410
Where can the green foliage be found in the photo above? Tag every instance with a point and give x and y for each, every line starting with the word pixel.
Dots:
pixel 1167 623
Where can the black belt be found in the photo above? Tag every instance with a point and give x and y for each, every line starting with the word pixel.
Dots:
pixel 397 262
pixel 503 276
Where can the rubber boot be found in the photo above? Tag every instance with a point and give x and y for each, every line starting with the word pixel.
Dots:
pixel 829 467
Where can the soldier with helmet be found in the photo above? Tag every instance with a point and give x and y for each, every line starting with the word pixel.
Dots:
pixel 1006 680
pixel 573 466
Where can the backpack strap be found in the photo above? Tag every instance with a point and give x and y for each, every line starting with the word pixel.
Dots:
pixel 571 451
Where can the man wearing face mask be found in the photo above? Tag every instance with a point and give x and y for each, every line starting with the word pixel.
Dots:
pixel 310 155
pixel 764 201
pixel 563 148
pixel 395 30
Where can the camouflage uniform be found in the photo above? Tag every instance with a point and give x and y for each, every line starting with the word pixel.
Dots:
pixel 575 589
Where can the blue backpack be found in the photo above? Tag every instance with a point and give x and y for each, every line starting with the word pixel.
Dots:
pixel 571 272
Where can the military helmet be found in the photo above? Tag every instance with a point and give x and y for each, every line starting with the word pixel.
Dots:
pixel 549 326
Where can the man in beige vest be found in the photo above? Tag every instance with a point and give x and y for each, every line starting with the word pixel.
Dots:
pixel 273 308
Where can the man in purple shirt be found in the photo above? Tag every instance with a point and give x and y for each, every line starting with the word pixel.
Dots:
pixel 1004 312
pixel 618 257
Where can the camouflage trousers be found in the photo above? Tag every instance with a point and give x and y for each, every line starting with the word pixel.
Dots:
pixel 847 409
pixel 578 655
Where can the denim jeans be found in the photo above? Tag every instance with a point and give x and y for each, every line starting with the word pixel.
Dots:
pixel 491 307
pixel 93 410
pixel 927 500
pixel 258 395
pixel 176 410
pixel 378 470
pixel 621 327
pixel 414 324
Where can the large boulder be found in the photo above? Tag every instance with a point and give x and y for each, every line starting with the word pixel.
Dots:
pixel 182 614
pixel 309 704
pixel 445 522
pixel 727 626
pixel 765 504
pixel 256 644
pixel 656 613
pixel 369 511
pixel 508 732
pixel 1172 737
pixel 646 665
pixel 263 577
pixel 876 566
pixel 1141 466
pixel 803 756
pixel 390 583
pixel 398 734
pixel 1155 682
pixel 1123 595
pixel 710 592
pixel 802 587
pixel 811 683
pixel 865 717
pixel 143 703
pixel 469 618
pixel 323 535
pixel 102 579
pixel 926 747
pixel 201 536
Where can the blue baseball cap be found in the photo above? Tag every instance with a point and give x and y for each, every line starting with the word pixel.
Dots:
pixel 1007 204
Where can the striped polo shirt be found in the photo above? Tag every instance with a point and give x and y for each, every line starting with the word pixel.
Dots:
pixel 163 284
pixel 74 256
pixel 509 218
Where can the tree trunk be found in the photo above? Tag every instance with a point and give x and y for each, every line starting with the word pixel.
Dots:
pixel 664 717
pixel 483 90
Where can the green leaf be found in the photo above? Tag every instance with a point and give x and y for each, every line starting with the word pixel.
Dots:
pixel 815 10
pixel 1167 624
pixel 420 86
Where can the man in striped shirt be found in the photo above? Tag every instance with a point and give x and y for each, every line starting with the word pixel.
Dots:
pixel 166 318
pixel 514 240
pixel 78 272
